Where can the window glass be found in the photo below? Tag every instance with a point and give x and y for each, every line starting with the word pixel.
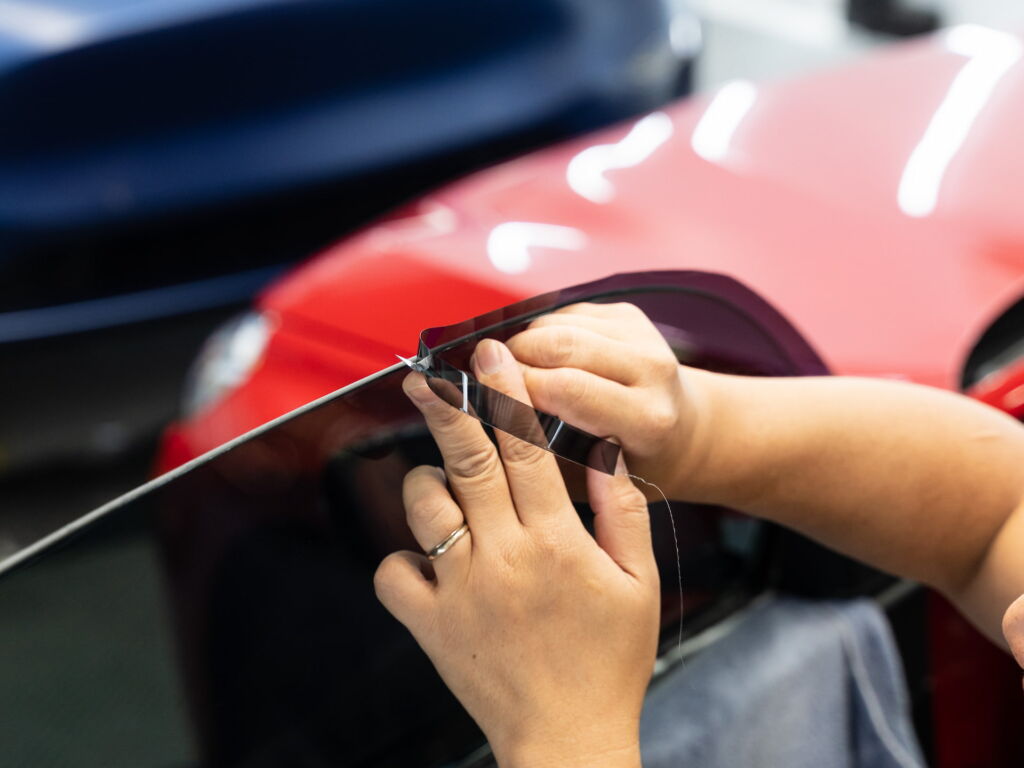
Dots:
pixel 225 616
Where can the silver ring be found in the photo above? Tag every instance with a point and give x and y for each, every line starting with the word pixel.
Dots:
pixel 448 542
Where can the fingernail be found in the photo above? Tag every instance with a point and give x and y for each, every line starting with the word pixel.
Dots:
pixel 620 463
pixel 620 458
pixel 490 356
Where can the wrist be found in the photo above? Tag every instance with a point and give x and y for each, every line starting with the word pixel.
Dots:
pixel 690 479
pixel 594 741
pixel 570 753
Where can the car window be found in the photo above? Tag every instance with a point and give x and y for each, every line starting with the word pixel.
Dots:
pixel 225 615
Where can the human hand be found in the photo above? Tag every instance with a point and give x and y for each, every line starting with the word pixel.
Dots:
pixel 607 369
pixel 545 634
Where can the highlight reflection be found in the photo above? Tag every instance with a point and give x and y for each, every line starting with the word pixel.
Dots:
pixel 40 24
pixel 585 173
pixel 509 244
pixel 717 126
pixel 990 55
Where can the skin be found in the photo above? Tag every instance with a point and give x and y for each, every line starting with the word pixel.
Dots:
pixel 919 482
pixel 524 616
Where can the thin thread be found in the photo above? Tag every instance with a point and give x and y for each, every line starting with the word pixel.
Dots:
pixel 675 541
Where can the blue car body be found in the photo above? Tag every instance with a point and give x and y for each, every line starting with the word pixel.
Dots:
pixel 161 159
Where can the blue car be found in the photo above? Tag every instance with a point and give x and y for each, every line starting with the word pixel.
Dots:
pixel 160 161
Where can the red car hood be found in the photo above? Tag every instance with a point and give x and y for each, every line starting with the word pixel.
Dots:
pixel 877 206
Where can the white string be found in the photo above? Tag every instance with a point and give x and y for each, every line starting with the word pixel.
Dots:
pixel 675 541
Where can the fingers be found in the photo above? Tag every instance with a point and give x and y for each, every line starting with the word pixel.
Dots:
pixel 619 310
pixel 566 346
pixel 471 462
pixel 620 320
pixel 403 586
pixel 432 515
pixel 622 524
pixel 584 400
pixel 532 473
pixel 603 326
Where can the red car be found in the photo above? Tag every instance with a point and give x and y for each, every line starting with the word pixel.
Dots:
pixel 224 614
pixel 877 205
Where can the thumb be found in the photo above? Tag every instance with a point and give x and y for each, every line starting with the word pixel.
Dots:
pixel 622 524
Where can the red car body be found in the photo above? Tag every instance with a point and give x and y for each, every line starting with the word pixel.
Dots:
pixel 801 203
pixel 878 206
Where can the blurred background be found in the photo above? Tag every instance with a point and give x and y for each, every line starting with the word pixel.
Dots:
pixel 162 160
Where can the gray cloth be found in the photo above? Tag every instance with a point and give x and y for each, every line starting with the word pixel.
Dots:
pixel 796 685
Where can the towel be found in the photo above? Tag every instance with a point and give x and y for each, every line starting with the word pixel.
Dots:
pixel 796 684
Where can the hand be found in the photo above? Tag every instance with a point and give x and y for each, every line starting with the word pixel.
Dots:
pixel 545 635
pixel 606 369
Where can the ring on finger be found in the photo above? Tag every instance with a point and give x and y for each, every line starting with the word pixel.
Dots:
pixel 448 542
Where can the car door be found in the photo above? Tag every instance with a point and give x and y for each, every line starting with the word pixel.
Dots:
pixel 224 613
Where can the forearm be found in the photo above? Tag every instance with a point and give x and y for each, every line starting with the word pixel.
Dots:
pixel 914 480
pixel 922 483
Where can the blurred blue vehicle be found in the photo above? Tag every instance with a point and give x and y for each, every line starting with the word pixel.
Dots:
pixel 160 160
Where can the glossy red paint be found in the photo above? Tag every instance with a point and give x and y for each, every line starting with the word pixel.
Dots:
pixel 793 189
pixel 1003 389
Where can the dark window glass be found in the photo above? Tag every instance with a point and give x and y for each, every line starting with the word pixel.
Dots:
pixel 225 615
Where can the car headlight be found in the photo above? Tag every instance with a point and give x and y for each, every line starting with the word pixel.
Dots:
pixel 226 360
